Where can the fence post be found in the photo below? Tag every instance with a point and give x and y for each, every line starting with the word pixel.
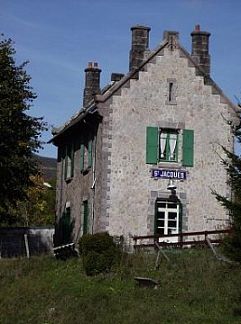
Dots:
pixel 181 239
pixel 26 245
pixel 135 242
pixel 206 235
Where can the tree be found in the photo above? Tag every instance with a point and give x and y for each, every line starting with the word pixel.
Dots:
pixel 38 208
pixel 19 132
pixel 232 243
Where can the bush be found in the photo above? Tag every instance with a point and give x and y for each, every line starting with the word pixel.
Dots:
pixel 99 253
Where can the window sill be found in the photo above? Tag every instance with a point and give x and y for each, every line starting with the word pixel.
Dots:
pixel 171 165
pixel 68 180
pixel 171 103
pixel 85 171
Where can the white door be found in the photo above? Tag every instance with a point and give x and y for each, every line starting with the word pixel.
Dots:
pixel 167 220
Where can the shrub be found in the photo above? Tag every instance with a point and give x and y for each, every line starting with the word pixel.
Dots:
pixel 99 253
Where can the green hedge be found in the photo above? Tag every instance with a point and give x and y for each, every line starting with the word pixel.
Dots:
pixel 99 253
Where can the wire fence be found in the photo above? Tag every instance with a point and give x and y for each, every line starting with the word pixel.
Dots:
pixel 20 242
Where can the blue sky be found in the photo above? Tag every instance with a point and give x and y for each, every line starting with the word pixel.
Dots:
pixel 59 38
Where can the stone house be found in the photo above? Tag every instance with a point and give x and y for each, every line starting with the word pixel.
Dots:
pixel 143 154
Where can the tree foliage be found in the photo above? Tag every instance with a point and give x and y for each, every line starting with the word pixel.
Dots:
pixel 232 163
pixel 19 132
pixel 38 208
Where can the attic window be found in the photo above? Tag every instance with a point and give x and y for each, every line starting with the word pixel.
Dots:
pixel 170 92
pixel 171 89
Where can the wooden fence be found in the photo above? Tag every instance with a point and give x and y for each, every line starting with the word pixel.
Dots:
pixel 181 239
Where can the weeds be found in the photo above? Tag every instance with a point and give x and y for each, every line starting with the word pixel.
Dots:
pixel 194 288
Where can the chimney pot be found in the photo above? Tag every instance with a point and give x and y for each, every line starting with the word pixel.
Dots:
pixel 197 28
pixel 116 76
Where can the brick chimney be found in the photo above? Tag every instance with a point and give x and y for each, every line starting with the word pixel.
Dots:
pixel 92 82
pixel 139 44
pixel 200 49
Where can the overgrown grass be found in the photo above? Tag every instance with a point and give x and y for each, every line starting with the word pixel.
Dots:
pixel 194 288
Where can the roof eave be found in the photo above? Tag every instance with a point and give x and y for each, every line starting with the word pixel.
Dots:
pixel 91 109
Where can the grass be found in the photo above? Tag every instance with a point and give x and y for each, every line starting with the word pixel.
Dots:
pixel 194 288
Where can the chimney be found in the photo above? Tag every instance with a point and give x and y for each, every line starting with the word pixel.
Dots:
pixel 92 82
pixel 200 49
pixel 139 44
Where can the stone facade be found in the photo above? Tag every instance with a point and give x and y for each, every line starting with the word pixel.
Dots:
pixel 170 90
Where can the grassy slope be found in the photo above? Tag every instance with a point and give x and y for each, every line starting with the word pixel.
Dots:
pixel 194 288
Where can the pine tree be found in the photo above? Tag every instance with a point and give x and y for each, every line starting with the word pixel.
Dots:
pixel 19 132
pixel 232 163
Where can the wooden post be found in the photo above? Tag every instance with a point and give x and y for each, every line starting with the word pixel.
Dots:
pixel 26 245
pixel 135 242
pixel 181 240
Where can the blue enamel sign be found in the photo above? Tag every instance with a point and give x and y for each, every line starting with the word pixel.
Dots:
pixel 169 174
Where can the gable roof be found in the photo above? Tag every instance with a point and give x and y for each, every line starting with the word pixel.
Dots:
pixel 112 89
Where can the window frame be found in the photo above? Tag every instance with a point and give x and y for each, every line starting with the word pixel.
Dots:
pixel 178 209
pixel 168 132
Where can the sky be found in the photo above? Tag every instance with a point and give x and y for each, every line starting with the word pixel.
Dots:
pixel 60 37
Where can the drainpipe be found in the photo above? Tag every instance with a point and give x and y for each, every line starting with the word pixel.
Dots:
pixel 93 186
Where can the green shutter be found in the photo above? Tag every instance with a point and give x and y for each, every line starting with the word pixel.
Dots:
pixel 90 153
pixel 65 158
pixel 82 156
pixel 152 145
pixel 188 147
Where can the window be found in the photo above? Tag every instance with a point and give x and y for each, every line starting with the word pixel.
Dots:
pixel 68 161
pixel 168 145
pixel 162 145
pixel 170 92
pixel 86 155
pixel 167 219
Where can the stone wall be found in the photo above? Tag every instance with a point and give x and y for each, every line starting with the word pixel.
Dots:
pixel 132 191
pixel 75 190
